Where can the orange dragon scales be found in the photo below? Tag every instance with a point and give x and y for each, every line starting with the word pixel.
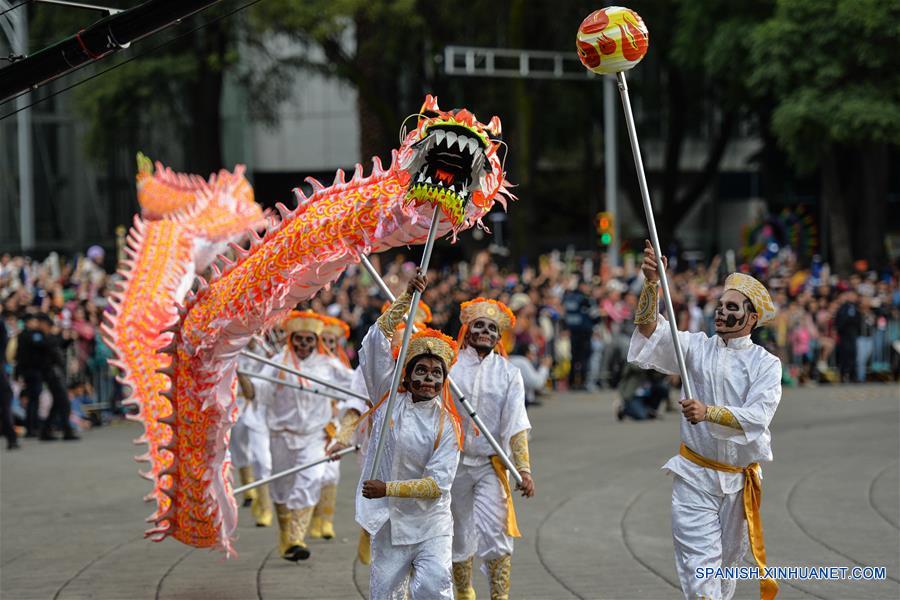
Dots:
pixel 180 358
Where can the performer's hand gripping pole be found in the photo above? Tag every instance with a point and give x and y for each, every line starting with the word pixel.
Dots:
pixel 453 387
pixel 296 469
pixel 286 369
pixel 651 225
pixel 404 347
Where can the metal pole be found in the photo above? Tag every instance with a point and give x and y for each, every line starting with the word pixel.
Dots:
pixel 293 470
pixel 651 225
pixel 288 384
pixel 272 363
pixel 453 387
pixel 611 164
pixel 404 346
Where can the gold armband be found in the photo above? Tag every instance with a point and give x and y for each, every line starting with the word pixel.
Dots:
pixel 648 304
pixel 247 389
pixel 347 427
pixel 414 488
pixel 722 416
pixel 518 445
pixel 393 316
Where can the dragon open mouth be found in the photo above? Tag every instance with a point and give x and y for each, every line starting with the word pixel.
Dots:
pixel 449 164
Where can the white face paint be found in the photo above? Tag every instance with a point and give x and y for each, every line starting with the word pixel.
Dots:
pixel 426 378
pixel 330 341
pixel 483 334
pixel 734 314
pixel 303 344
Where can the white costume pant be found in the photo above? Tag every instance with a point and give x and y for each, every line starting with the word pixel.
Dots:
pixel 426 566
pixel 250 448
pixel 708 531
pixel 300 490
pixel 479 514
pixel 332 473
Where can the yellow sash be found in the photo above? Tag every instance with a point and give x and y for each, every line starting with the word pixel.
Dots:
pixel 768 588
pixel 512 527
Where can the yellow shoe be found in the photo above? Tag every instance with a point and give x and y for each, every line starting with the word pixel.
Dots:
pixel 324 514
pixel 499 569
pixel 327 529
pixel 462 579
pixel 246 475
pixel 315 528
pixel 284 529
pixel 262 507
pixel 298 549
pixel 364 547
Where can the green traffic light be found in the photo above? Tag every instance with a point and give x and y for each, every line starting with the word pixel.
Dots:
pixel 605 238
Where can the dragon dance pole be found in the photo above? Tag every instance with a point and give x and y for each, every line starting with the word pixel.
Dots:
pixel 453 387
pixel 651 225
pixel 288 384
pixel 404 347
pixel 272 363
pixel 610 41
pixel 296 469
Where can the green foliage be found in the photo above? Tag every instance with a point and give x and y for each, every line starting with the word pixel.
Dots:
pixel 831 66
pixel 128 100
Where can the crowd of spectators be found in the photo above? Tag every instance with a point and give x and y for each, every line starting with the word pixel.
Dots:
pixel 573 323
pixel 579 313
pixel 54 359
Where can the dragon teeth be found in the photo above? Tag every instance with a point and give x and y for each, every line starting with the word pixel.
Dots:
pixel 439 135
pixel 428 180
pixel 462 141
pixel 451 139
pixel 473 145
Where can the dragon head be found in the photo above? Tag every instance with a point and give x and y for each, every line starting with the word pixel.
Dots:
pixel 454 161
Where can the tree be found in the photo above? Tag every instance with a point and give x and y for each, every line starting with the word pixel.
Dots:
pixel 831 68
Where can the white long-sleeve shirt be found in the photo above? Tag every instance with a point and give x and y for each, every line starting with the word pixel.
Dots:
pixel 739 375
pixel 534 379
pixel 409 453
pixel 253 413
pixel 295 413
pixel 496 391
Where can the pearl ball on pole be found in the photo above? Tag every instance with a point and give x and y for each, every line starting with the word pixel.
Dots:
pixel 610 41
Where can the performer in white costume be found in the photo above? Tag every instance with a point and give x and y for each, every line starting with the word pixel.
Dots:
pixel 297 421
pixel 484 519
pixel 334 334
pixel 725 433
pixel 361 436
pixel 407 508
pixel 250 443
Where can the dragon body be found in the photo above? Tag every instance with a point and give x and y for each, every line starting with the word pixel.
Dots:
pixel 448 167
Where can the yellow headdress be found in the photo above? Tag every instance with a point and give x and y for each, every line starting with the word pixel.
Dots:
pixel 335 326
pixel 485 308
pixel 430 341
pixel 755 292
pixel 303 320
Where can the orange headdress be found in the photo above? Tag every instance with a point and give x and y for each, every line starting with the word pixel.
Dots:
pixel 339 329
pixel 304 320
pixel 486 308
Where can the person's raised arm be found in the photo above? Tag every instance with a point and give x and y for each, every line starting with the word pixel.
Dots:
pixel 647 312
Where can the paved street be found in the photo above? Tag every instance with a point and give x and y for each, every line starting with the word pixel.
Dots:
pixel 71 516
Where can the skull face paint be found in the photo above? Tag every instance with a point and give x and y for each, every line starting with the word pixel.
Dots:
pixel 425 377
pixel 483 335
pixel 330 341
pixel 734 314
pixel 303 343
